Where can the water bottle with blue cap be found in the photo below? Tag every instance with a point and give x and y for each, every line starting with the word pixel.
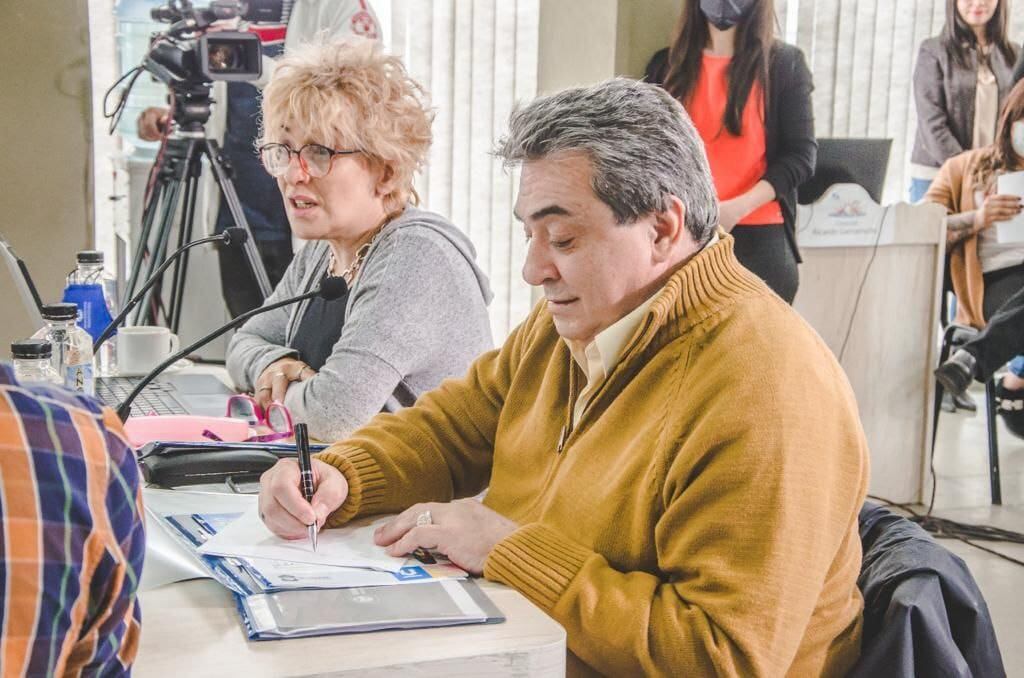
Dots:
pixel 92 289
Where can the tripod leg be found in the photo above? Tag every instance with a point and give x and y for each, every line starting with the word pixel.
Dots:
pixel 187 229
pixel 184 235
pixel 252 254
pixel 179 156
pixel 148 214
pixel 157 252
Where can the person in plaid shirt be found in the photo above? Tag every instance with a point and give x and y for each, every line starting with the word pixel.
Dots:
pixel 71 534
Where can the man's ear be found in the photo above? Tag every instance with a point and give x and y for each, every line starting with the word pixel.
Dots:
pixel 669 229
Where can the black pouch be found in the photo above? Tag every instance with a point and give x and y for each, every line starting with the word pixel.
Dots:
pixel 171 464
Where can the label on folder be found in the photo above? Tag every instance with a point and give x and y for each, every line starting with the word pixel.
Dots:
pixel 292 614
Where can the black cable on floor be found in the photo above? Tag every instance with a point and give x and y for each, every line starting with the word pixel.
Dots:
pixel 944 528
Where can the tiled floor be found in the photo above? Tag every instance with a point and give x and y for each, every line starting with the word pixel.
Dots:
pixel 961 467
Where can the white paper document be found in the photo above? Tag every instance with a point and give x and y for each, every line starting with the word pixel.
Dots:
pixel 166 560
pixel 1012 230
pixel 348 546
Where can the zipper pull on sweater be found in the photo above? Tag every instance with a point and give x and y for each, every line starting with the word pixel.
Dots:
pixel 563 436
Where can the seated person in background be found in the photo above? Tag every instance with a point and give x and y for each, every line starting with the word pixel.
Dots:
pixel 71 528
pixel 344 130
pixel 985 272
pixel 980 357
pixel 675 515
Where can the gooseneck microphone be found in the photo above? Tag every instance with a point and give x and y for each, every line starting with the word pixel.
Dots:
pixel 231 237
pixel 330 288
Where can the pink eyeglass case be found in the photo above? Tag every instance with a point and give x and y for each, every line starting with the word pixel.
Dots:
pixel 183 428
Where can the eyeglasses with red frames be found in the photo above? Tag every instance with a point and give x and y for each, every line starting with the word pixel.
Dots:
pixel 276 417
pixel 315 160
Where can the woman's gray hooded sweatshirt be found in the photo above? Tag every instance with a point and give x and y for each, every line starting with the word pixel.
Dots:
pixel 416 314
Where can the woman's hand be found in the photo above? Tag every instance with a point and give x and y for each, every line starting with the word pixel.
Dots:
pixel 730 212
pixel 996 208
pixel 273 383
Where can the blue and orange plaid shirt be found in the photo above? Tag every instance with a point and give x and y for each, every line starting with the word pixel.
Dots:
pixel 71 524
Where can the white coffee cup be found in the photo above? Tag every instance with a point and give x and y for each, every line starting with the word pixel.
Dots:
pixel 142 347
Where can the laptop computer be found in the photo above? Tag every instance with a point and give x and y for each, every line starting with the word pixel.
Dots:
pixel 848 161
pixel 22 283
pixel 202 394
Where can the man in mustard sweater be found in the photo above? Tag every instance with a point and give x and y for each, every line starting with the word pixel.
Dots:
pixel 672 457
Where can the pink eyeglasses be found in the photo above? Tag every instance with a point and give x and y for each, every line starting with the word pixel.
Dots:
pixel 276 417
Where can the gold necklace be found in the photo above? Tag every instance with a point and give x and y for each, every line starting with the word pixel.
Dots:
pixel 349 274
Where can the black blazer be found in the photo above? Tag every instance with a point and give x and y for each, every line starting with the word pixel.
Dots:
pixel 791 148
pixel 944 99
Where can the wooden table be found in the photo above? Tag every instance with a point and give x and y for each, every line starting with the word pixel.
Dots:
pixel 192 628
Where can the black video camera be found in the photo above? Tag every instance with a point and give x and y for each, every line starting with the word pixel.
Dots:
pixel 186 54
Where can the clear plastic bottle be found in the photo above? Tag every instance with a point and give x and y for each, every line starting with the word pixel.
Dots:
pixel 94 290
pixel 90 270
pixel 72 347
pixel 32 362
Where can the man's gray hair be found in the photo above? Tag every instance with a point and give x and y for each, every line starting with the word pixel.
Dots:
pixel 642 144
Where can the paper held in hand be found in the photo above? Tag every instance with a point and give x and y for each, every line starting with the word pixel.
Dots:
pixel 1011 231
pixel 348 546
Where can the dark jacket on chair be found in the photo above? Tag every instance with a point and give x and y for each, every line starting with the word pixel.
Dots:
pixel 923 612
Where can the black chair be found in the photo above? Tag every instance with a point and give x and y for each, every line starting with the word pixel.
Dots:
pixel 990 410
pixel 923 612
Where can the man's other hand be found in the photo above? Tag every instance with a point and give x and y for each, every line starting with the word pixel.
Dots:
pixel 464 530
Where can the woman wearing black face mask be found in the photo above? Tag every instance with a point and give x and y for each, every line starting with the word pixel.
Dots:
pixel 749 96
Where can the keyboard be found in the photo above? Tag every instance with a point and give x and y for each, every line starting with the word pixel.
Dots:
pixel 156 398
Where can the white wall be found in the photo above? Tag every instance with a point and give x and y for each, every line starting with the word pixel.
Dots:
pixel 45 132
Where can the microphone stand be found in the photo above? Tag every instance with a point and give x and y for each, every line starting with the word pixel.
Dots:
pixel 125 408
pixel 152 280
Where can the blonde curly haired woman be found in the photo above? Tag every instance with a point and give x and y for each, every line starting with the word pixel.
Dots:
pixel 345 129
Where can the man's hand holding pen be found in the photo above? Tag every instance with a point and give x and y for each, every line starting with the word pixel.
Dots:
pixel 465 530
pixel 283 508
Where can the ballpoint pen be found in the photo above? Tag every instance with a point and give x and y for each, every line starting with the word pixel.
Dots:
pixel 305 472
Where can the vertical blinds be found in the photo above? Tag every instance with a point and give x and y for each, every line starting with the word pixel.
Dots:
pixel 476 58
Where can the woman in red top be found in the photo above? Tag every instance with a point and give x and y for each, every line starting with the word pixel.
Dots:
pixel 749 96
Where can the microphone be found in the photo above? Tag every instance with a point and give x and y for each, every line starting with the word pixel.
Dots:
pixel 329 289
pixel 236 236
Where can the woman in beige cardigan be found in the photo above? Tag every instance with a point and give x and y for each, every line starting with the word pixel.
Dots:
pixel 985 272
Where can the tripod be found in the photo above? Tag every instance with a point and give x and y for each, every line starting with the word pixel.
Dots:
pixel 174 192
